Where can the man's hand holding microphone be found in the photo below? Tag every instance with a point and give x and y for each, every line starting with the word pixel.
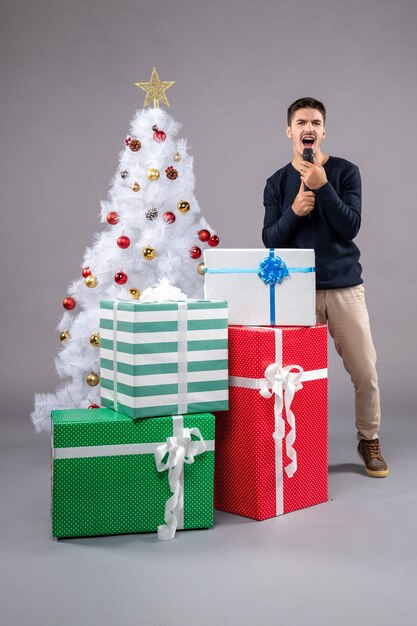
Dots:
pixel 312 177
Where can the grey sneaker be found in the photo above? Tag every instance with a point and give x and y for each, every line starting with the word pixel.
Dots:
pixel 370 453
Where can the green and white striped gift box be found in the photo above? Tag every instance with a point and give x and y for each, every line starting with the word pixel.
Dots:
pixel 164 358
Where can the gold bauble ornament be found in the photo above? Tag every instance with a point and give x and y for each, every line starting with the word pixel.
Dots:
pixel 92 379
pixel 183 206
pixel 91 281
pixel 149 253
pixel 65 336
pixel 135 293
pixel 177 157
pixel 201 268
pixel 153 174
pixel 95 340
pixel 135 187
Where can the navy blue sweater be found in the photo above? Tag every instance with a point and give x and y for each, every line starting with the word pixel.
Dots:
pixel 330 227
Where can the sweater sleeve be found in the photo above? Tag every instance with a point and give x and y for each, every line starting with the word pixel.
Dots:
pixel 343 212
pixel 278 226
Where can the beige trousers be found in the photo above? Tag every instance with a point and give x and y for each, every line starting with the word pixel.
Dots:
pixel 348 321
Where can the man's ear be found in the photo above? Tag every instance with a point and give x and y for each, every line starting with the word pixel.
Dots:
pixel 288 132
pixel 324 133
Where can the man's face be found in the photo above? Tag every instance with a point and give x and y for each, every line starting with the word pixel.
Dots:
pixel 306 130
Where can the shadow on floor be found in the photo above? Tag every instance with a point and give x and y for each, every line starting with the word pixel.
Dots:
pixel 230 518
pixel 346 468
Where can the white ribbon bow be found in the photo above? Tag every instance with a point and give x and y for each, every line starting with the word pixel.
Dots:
pixel 163 292
pixel 180 449
pixel 277 380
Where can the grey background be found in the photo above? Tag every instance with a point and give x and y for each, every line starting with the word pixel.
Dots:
pixel 67 98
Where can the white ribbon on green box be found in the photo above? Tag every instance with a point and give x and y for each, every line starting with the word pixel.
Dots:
pixel 182 357
pixel 283 383
pixel 180 448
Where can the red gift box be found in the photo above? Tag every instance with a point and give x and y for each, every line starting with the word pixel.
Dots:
pixel 271 445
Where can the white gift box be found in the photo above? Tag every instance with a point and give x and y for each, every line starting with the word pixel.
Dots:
pixel 275 287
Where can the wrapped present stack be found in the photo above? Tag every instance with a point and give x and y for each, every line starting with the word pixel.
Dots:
pixel 271 444
pixel 251 353
pixel 145 462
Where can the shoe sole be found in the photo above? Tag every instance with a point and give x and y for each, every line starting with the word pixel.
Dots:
pixel 374 473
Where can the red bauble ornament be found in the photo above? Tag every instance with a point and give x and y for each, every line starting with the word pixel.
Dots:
pixel 159 135
pixel 204 235
pixel 94 406
pixel 86 272
pixel 168 217
pixel 195 252
pixel 128 140
pixel 112 218
pixel 213 241
pixel 120 278
pixel 123 242
pixel 69 303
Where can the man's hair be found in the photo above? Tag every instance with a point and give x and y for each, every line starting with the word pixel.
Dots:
pixel 305 103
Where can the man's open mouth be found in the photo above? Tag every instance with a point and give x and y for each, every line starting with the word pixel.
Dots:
pixel 308 140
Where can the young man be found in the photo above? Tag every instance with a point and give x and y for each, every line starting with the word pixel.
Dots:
pixel 318 205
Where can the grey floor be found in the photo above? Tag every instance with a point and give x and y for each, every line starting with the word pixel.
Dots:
pixel 350 561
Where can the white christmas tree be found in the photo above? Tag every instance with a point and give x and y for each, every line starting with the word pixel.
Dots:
pixel 155 230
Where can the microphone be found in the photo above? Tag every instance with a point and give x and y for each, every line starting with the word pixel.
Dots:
pixel 308 156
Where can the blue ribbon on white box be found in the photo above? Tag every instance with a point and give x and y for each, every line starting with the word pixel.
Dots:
pixel 272 270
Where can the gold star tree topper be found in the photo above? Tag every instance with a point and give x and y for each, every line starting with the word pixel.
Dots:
pixel 155 90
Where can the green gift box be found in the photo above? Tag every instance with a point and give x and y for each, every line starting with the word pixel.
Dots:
pixel 114 475
pixel 164 358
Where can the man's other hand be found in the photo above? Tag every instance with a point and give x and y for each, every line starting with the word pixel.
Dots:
pixel 304 202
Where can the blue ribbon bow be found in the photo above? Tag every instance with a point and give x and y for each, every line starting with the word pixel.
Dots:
pixel 273 270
